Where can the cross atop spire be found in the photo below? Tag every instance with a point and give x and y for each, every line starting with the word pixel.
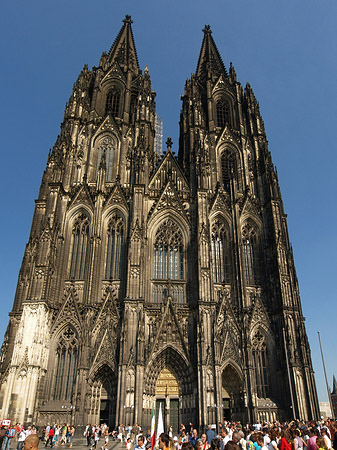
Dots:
pixel 123 50
pixel 127 19
pixel 169 143
pixel 207 29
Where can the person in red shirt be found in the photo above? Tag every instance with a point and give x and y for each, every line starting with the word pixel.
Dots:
pixel 285 443
pixel 50 437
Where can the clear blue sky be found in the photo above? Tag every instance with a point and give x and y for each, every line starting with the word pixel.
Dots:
pixel 287 52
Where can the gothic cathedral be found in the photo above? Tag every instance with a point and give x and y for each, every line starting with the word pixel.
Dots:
pixel 155 279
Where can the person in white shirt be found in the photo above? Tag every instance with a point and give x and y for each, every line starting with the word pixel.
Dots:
pixel 21 439
pixel 326 438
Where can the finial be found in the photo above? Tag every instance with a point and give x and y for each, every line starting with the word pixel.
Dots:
pixel 169 143
pixel 127 19
pixel 207 29
pixel 146 70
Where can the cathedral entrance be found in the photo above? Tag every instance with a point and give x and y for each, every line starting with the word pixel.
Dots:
pixel 170 381
pixel 232 394
pixel 167 396
pixel 103 397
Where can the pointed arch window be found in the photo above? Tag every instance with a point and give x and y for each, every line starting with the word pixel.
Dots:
pixel 168 252
pixel 262 379
pixel 228 168
pixel 80 245
pixel 250 255
pixel 114 248
pixel 105 155
pixel 66 365
pixel 220 253
pixel 222 112
pixel 113 102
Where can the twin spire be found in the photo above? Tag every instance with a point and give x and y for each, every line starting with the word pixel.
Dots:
pixel 209 58
pixel 123 50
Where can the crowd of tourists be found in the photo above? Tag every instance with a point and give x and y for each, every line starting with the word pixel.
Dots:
pixel 50 435
pixel 295 435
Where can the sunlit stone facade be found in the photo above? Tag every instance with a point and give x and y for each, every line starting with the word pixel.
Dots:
pixel 155 278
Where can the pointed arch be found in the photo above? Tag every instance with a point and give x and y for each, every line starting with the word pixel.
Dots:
pixel 261 361
pixel 114 247
pixel 171 358
pixel 222 109
pixel 230 166
pixel 232 391
pixel 251 249
pixel 220 250
pixel 79 246
pixel 168 250
pixel 106 146
pixel 113 102
pixel 102 395
pixel 65 365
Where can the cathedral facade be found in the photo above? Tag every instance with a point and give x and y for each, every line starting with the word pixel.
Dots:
pixel 154 278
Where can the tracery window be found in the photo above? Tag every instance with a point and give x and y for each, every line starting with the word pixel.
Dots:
pixel 222 112
pixel 168 252
pixel 112 102
pixel 220 253
pixel 114 248
pixel 228 168
pixel 260 365
pixel 250 255
pixel 80 245
pixel 106 151
pixel 66 365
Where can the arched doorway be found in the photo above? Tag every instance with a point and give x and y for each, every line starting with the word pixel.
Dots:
pixel 232 394
pixel 167 396
pixel 170 381
pixel 102 397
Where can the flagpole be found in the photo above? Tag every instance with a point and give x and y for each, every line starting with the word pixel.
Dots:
pixel 326 378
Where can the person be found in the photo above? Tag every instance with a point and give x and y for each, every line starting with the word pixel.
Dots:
pixel 327 440
pixel 260 441
pixel 21 439
pixel 187 446
pixel 106 438
pixel 50 437
pixel 31 442
pixel 334 444
pixel 10 433
pixel 215 444
pixel 311 444
pixel 63 439
pixel 273 440
pixel 224 438
pixel 95 437
pixel 210 434
pixel 205 444
pixel 56 435
pixel 320 444
pixel 194 437
pixel 285 443
pixel 183 437
pixel 140 443
pixel 71 432
pixel 164 441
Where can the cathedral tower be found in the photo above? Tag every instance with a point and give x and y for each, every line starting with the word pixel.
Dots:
pixel 150 278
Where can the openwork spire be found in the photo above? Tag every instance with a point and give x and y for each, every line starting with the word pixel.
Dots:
pixel 209 58
pixel 123 50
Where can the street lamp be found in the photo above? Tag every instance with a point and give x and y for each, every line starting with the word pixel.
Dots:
pixel 67 408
